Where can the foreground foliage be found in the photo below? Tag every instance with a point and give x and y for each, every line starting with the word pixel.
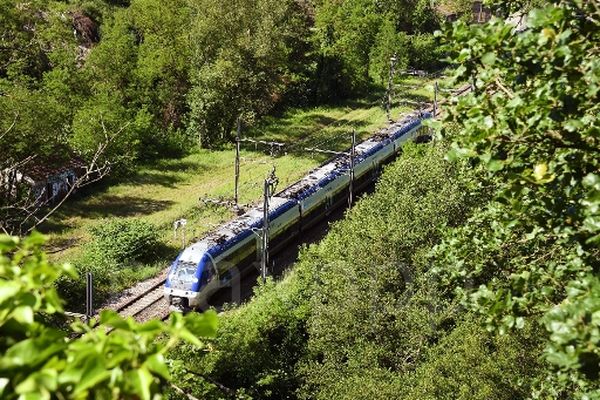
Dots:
pixel 109 358
pixel 377 307
pixel 533 123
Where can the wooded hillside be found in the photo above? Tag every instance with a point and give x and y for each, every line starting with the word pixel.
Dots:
pixel 117 83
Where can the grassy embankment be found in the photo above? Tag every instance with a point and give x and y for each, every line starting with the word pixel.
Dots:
pixel 170 189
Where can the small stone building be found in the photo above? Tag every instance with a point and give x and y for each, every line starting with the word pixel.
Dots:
pixel 46 184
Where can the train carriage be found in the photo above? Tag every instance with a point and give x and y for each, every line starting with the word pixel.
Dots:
pixel 209 264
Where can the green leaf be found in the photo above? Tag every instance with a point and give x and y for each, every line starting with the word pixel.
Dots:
pixel 7 243
pixel 573 125
pixel 112 318
pixel 93 372
pixel 488 58
pixel 156 363
pixel 202 325
pixel 495 165
pixel 457 153
pixel 23 314
pixel 188 336
pixel 33 351
pixel 8 290
pixel 35 239
pixel 3 384
pixel 44 379
pixel 152 326
pixel 140 380
pixel 592 181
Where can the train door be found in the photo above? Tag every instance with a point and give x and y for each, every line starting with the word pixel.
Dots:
pixel 375 171
pixel 329 202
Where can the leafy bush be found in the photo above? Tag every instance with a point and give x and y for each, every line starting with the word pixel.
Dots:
pixel 533 122
pixel 121 252
pixel 425 52
pixel 258 346
pixel 388 43
pixel 470 363
pixel 123 240
pixel 374 310
pixel 39 361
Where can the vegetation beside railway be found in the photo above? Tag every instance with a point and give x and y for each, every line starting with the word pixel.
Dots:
pixel 472 271
pixel 486 288
pixel 157 194
pixel 166 82
pixel 362 315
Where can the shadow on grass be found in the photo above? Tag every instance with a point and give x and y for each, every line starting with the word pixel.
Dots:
pixel 155 178
pixel 115 206
pixel 173 165
pixel 166 173
pixel 53 225
pixel 316 130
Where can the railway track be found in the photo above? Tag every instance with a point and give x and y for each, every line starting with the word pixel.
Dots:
pixel 146 305
pixel 144 302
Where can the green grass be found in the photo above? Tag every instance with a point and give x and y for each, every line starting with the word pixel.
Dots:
pixel 170 189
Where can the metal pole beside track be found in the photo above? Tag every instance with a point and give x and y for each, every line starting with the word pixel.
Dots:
pixel 435 96
pixel 389 88
pixel 352 156
pixel 265 232
pixel 89 300
pixel 237 161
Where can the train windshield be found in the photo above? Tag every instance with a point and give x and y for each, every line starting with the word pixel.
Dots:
pixel 183 275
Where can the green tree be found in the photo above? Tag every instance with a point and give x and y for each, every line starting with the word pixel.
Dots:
pixel 248 55
pixel 141 66
pixel 84 360
pixel 388 44
pixel 532 120
pixel 345 32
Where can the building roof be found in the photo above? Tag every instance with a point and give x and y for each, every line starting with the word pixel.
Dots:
pixel 40 172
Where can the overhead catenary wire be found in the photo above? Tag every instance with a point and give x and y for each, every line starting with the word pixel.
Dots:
pixel 320 146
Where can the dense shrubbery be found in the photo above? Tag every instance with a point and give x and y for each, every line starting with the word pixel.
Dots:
pixel 533 122
pixel 125 240
pixel 470 363
pixel 360 316
pixel 425 52
pixel 120 253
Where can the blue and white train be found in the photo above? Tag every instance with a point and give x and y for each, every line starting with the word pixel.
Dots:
pixel 209 264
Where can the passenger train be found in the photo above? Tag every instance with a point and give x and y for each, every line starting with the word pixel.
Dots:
pixel 211 263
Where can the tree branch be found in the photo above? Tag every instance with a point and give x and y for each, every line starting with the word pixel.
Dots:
pixel 180 391
pixel 92 169
pixel 10 128
pixel 499 84
pixel 21 217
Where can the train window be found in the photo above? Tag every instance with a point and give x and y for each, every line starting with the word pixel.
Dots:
pixel 184 275
pixel 207 273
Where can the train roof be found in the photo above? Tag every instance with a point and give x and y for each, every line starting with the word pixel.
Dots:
pixel 325 173
pixel 241 227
